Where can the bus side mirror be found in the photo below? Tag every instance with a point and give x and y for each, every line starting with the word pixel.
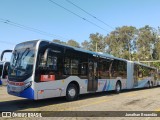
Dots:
pixel 46 56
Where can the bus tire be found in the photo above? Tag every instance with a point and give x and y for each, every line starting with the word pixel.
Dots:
pixel 148 84
pixel 118 87
pixel 72 92
pixel 151 84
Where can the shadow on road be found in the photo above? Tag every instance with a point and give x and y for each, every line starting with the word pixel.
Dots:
pixel 22 104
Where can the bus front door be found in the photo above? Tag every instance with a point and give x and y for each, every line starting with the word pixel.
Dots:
pixel 92 76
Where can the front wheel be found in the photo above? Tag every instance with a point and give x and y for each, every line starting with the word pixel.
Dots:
pixel 118 87
pixel 72 92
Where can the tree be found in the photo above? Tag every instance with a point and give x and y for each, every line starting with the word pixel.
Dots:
pixel 73 43
pixel 156 53
pixel 85 45
pixel 146 43
pixel 121 42
pixel 97 42
pixel 59 41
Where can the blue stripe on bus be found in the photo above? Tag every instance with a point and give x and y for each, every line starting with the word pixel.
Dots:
pixel 141 83
pixel 27 93
pixel 104 88
pixel 0 82
pixel 108 86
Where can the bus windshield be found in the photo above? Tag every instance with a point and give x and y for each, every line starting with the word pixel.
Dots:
pixel 22 61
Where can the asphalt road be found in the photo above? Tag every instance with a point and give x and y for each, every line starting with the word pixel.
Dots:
pixel 133 100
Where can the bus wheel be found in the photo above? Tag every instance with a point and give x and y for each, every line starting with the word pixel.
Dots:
pixel 72 92
pixel 151 84
pixel 148 85
pixel 118 87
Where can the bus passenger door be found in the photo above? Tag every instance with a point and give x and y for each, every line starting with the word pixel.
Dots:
pixel 136 75
pixel 92 76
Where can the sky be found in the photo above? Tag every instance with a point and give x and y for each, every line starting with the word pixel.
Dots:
pixel 58 23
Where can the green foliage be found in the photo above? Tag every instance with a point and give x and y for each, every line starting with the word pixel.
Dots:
pixel 85 45
pixel 145 43
pixel 59 41
pixel 69 42
pixel 126 42
pixel 156 64
pixel 122 41
pixel 97 42
pixel 73 43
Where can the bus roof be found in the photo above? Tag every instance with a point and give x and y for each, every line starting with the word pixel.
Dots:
pixel 144 65
pixel 100 54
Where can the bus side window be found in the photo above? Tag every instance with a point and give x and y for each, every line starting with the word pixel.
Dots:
pixel 140 74
pixel 84 68
pixel 71 66
pixel 114 69
pixel 67 70
pixel 52 62
pixel 55 63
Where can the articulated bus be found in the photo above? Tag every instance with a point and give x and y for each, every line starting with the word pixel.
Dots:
pixel 4 69
pixel 42 69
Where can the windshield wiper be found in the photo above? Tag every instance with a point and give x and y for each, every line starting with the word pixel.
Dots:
pixel 26 53
pixel 15 58
pixel 20 58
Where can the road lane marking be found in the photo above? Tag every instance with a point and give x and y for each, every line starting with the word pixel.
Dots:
pixel 130 94
pixel 157 110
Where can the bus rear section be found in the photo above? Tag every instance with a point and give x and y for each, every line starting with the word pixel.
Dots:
pixel 4 65
pixel 4 72
pixel 143 75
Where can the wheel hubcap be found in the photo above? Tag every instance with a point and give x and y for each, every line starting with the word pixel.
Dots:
pixel 118 87
pixel 72 92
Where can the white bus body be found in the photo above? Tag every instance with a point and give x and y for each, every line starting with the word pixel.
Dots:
pixel 42 69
